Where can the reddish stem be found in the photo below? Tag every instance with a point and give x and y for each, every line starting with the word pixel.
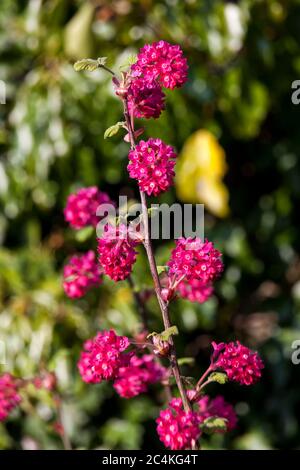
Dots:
pixel 200 381
pixel 153 268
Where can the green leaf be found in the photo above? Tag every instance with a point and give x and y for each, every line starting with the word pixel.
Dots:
pixel 113 130
pixel 186 360
pixel 130 61
pixel 89 64
pixel 86 64
pixel 84 234
pixel 101 61
pixel 152 334
pixel 162 269
pixel 165 335
pixel 214 424
pixel 219 377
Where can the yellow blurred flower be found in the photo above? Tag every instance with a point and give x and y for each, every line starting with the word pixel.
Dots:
pixel 199 173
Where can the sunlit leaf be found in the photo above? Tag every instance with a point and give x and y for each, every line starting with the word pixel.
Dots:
pixel 89 64
pixel 113 130
pixel 162 269
pixel 165 335
pixel 186 361
pixel 84 234
pixel 214 424
pixel 219 377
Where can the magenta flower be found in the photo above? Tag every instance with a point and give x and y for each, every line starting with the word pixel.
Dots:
pixel 103 357
pixel 216 407
pixel 80 274
pixel 145 99
pixel 194 259
pixel 152 165
pixel 163 62
pixel 135 378
pixel 46 380
pixel 81 207
pixel 240 363
pixel 9 396
pixel 195 290
pixel 178 429
pixel 191 271
pixel 116 252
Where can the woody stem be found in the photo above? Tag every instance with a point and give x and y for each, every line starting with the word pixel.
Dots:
pixel 153 268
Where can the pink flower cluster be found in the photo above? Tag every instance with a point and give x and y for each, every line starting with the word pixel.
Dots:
pixel 9 396
pixel 152 164
pixel 176 428
pixel 80 274
pixel 81 207
pixel 116 250
pixel 103 356
pixel 145 99
pixel 240 363
pixel 163 62
pixel 158 65
pixel 193 266
pixel 46 380
pixel 195 290
pixel 179 430
pixel 216 407
pixel 134 378
pixel 195 259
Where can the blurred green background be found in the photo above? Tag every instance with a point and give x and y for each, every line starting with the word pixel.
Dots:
pixel 243 57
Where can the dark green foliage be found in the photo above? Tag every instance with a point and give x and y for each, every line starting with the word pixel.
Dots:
pixel 51 142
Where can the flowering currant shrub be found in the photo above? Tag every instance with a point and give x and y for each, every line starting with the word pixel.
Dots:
pixel 193 267
pixel 149 360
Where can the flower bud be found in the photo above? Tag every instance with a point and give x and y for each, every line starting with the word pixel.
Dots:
pixel 167 294
pixel 122 91
pixel 161 348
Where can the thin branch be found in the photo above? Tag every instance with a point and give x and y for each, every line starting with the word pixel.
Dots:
pixel 107 70
pixel 143 312
pixel 200 381
pixel 155 276
pixel 168 391
pixel 202 386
